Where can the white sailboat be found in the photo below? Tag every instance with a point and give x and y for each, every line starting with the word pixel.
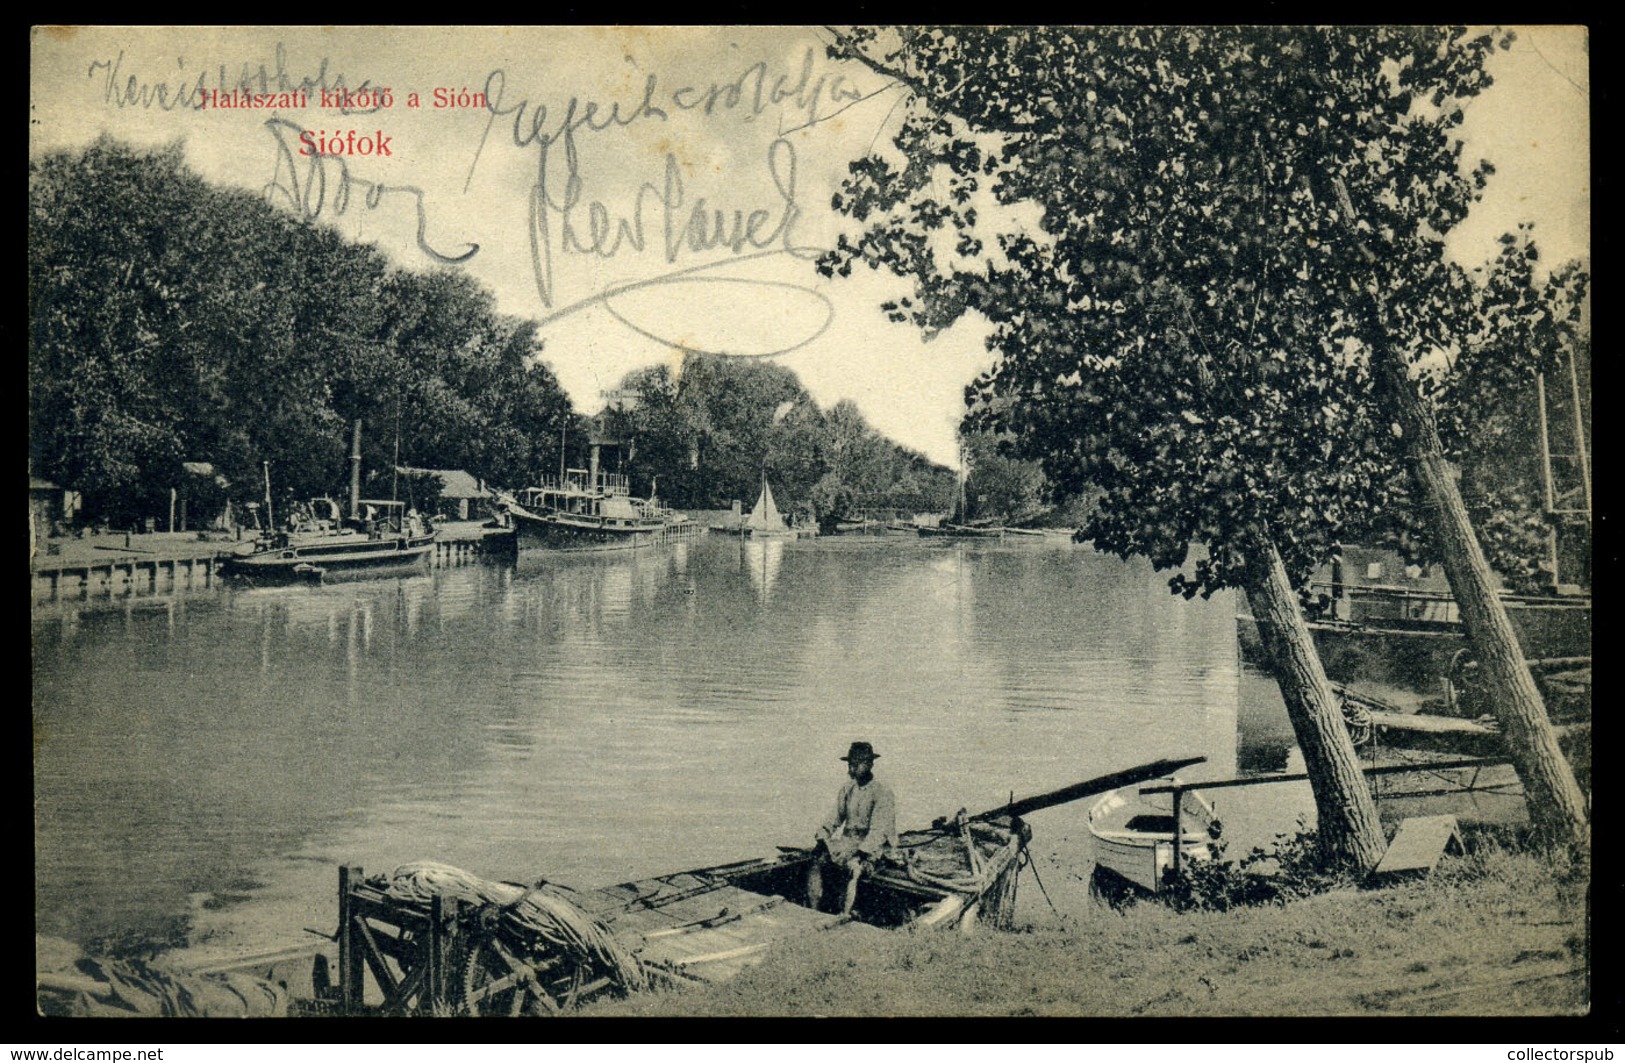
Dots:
pixel 765 521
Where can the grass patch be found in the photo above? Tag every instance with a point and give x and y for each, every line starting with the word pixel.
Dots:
pixel 1497 932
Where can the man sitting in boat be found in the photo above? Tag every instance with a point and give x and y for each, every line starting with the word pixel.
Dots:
pixel 861 830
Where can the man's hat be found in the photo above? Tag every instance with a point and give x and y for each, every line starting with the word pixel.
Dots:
pixel 861 751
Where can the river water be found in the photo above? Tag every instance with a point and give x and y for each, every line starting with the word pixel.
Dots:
pixel 205 760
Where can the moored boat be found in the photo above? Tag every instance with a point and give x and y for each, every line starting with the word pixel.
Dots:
pixel 1376 724
pixel 437 940
pixel 585 510
pixel 853 525
pixel 764 521
pixel 385 538
pixel 1135 834
pixel 1419 651
pixel 959 531
pixel 319 541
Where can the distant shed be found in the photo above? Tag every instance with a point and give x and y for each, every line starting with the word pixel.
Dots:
pixel 463 496
pixel 50 506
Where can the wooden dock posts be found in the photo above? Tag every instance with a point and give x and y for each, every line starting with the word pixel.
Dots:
pixel 681 531
pixel 457 552
pixel 123 575
pixel 54 580
pixel 468 551
pixel 472 547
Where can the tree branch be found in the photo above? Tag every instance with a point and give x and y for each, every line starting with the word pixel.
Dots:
pixel 850 49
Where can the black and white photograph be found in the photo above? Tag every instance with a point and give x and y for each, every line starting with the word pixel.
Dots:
pixel 829 521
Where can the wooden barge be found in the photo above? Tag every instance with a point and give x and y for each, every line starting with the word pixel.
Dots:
pixel 427 939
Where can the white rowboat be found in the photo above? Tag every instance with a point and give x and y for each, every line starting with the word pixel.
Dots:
pixel 1134 834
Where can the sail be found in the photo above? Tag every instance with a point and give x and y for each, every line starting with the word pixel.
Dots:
pixel 765 516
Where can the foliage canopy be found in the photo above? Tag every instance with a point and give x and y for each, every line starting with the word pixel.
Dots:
pixel 1230 221
pixel 710 430
pixel 173 321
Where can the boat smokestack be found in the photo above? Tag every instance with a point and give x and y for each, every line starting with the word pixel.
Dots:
pixel 355 473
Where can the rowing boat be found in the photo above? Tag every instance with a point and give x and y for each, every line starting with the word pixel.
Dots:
pixel 1134 834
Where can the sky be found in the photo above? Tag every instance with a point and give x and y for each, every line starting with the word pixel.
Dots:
pixel 684 209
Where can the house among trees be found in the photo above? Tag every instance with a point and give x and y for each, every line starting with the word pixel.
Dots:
pixel 462 495
pixel 50 507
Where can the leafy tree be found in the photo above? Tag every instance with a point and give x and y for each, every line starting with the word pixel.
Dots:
pixel 91 360
pixel 999 486
pixel 1490 429
pixel 798 458
pixel 709 431
pixel 172 321
pixel 1191 328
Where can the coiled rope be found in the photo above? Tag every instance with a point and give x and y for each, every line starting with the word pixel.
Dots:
pixel 540 913
pixel 963 882
pixel 1357 718
pixel 948 874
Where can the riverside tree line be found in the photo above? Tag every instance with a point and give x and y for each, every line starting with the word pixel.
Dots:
pixel 174 322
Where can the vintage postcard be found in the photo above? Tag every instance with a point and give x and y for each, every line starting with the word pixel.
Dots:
pixel 810 521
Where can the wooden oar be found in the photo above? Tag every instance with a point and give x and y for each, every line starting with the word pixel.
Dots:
pixel 1089 787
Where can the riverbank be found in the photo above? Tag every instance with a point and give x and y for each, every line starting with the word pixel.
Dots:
pixel 124 547
pixel 1494 933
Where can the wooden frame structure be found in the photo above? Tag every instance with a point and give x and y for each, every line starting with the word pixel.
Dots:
pixel 1476 764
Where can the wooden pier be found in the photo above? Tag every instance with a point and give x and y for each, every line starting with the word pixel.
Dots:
pixel 123 576
pixel 462 544
pixel 681 531
pixel 137 565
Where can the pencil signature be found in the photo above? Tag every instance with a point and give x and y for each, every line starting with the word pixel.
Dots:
pixel 663 217
pixel 317 184
pixel 187 90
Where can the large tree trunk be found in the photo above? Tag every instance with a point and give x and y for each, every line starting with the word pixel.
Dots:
pixel 1348 827
pixel 1556 806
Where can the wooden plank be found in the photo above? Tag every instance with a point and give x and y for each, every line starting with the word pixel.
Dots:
pixel 1419 843
pixel 945 912
pixel 1439 725
pixel 248 963
pixel 1381 769
pixel 660 893
pixel 375 960
pixel 707 907
pixel 717 953
pixel 352 967
pixel 724 916
pixel 1089 787
pixel 411 985
pixel 726 954
pixel 442 931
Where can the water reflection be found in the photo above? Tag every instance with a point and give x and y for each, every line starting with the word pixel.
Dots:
pixel 762 559
pixel 587 717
